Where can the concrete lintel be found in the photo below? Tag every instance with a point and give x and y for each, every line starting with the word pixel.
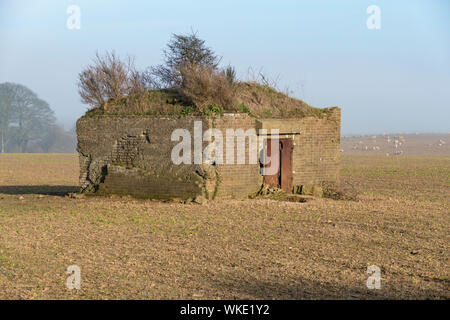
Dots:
pixel 284 126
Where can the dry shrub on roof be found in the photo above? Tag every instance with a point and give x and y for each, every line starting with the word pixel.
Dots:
pixel 204 86
pixel 110 78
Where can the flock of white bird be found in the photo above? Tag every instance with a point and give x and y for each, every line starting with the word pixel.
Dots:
pixel 394 143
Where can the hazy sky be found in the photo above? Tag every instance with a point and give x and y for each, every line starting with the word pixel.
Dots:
pixel 395 79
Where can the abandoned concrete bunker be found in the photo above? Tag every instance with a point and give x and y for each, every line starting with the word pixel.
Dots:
pixel 131 155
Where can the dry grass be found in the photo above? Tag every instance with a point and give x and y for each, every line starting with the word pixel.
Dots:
pixel 204 87
pixel 205 90
pixel 252 249
pixel 265 102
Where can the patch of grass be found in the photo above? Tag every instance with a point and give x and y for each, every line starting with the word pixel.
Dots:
pixel 267 113
pixel 212 110
pixel 187 110
pixel 243 108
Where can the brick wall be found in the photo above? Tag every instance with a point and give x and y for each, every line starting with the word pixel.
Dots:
pixel 316 150
pixel 132 155
pixel 238 180
pixel 316 146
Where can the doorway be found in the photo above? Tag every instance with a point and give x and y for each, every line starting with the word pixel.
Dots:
pixel 282 159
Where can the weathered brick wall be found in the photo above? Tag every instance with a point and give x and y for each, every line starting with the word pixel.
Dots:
pixel 238 180
pixel 316 150
pixel 132 155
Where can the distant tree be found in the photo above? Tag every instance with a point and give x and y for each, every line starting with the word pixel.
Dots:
pixel 56 139
pixel 183 51
pixel 8 113
pixel 50 137
pixel 33 123
pixel 23 116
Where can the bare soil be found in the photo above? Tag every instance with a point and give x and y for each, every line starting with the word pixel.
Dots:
pixel 255 249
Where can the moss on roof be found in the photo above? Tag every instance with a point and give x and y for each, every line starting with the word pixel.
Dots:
pixel 252 98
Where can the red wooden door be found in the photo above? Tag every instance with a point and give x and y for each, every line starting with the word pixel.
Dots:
pixel 286 174
pixel 273 180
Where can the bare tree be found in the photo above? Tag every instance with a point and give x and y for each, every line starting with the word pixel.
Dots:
pixel 110 78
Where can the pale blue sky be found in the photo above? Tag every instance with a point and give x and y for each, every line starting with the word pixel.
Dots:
pixel 396 79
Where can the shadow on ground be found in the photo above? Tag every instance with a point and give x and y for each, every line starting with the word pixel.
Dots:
pixel 308 289
pixel 44 190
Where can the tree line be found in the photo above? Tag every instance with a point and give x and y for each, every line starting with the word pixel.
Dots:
pixel 28 124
